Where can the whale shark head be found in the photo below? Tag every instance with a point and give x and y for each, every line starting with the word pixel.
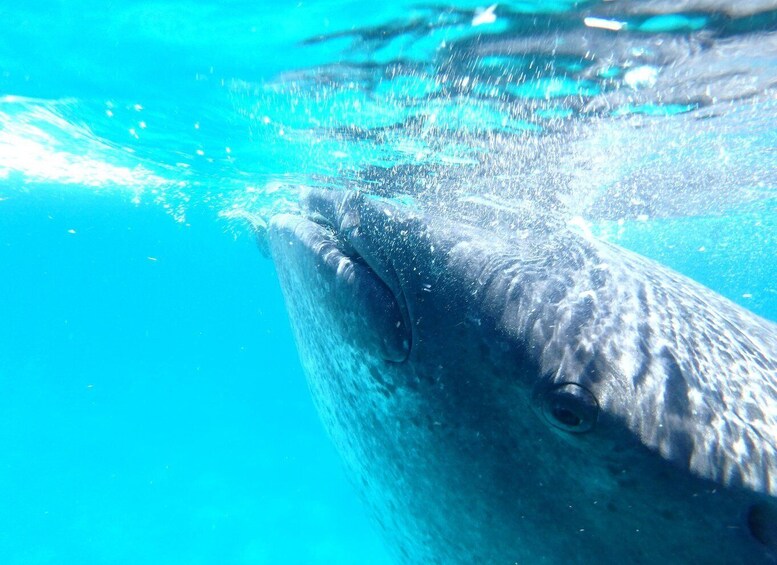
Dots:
pixel 543 398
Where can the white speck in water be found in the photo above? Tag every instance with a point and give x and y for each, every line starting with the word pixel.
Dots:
pixel 581 224
pixel 601 23
pixel 643 76
pixel 71 231
pixel 747 295
pixel 484 16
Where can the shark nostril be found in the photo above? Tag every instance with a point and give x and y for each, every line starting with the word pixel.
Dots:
pixel 762 523
pixel 570 407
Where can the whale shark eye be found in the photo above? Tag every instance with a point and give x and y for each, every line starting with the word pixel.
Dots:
pixel 570 407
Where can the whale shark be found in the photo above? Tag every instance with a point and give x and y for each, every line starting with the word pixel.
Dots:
pixel 534 396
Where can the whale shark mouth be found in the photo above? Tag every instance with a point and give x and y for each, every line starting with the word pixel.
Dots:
pixel 371 313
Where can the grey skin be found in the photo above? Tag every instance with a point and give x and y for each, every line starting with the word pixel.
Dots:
pixel 547 398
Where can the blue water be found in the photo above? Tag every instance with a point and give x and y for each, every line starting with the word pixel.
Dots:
pixel 152 407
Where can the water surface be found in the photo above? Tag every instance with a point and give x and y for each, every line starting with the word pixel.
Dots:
pixel 153 407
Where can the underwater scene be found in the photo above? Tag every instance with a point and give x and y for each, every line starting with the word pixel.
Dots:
pixel 407 282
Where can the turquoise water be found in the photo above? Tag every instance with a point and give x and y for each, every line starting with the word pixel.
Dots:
pixel 153 408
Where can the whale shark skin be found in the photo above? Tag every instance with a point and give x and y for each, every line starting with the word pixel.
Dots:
pixel 539 398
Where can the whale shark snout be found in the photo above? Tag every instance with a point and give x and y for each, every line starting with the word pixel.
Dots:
pixel 542 399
